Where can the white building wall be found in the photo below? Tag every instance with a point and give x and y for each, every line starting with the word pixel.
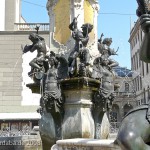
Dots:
pixel 17 18
pixel 28 98
pixel 141 70
pixel 2 15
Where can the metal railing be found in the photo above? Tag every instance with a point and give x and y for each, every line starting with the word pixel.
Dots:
pixel 124 94
pixel 31 26
pixel 114 127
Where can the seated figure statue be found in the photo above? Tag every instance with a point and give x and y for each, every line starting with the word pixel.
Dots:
pixel 38 44
pixel 80 50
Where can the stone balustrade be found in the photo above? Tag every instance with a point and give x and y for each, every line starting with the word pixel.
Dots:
pixel 31 26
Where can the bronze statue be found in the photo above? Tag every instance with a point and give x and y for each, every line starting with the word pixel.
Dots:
pixel 52 93
pixel 52 99
pixel 104 97
pixel 142 7
pixel 102 68
pixel 134 132
pixel 80 50
pixel 103 72
pixel 37 64
pixel 106 51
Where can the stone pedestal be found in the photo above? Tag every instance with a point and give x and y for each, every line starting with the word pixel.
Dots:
pixel 78 121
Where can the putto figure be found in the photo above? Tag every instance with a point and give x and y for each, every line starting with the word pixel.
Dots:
pixel 78 67
pixel 106 51
pixel 38 43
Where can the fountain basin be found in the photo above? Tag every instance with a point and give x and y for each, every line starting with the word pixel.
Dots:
pixel 85 144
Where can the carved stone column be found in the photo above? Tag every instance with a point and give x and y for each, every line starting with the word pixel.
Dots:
pixel 78 121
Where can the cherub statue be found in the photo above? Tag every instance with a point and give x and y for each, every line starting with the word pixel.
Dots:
pixel 80 50
pixel 106 51
pixel 39 45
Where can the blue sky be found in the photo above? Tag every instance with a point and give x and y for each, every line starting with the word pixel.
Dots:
pixel 116 26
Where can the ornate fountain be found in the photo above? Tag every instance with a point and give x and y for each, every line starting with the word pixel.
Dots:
pixel 75 78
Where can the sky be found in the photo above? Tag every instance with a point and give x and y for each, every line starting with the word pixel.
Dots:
pixel 114 20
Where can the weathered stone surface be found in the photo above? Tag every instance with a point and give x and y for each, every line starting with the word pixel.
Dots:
pixel 105 127
pixel 47 130
pixel 85 144
pixel 78 121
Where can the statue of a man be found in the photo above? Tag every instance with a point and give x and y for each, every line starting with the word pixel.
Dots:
pixel 81 40
pixel 38 43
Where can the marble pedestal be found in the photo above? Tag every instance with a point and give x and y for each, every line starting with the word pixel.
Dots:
pixel 78 121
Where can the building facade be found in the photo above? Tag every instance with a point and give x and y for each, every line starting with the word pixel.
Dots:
pixel 124 95
pixel 140 69
pixel 17 104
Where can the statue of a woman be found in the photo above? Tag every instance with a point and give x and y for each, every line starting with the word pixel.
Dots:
pixel 52 98
pixel 103 72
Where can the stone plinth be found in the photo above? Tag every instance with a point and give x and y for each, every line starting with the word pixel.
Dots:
pixel 78 121
pixel 34 87
pixel 85 144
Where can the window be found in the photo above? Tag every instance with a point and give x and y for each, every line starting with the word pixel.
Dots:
pixel 143 69
pixel 148 93
pixel 138 83
pixel 138 102
pixel 137 60
pixel 126 87
pixel 132 63
pixel 147 70
pixel 144 95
